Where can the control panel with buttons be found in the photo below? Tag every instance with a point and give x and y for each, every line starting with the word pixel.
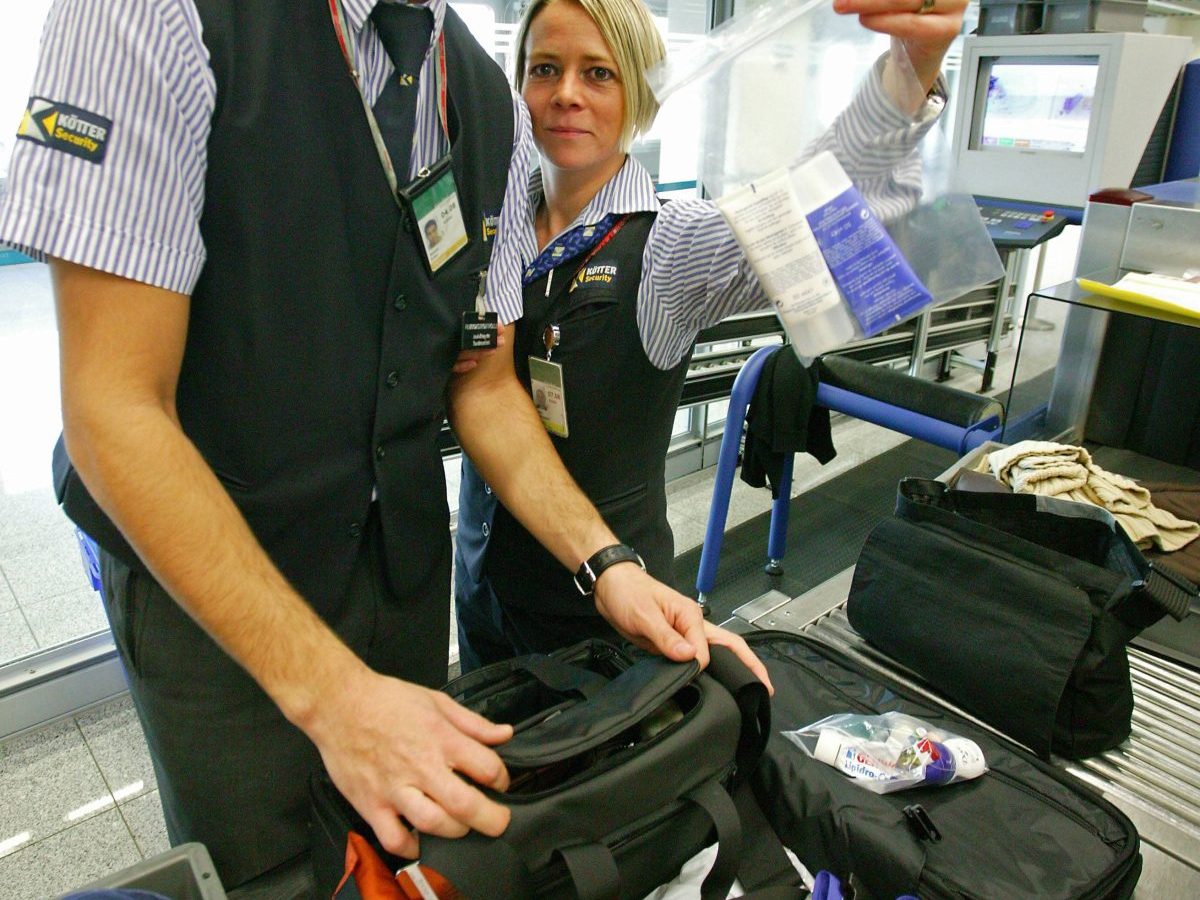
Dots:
pixel 1019 229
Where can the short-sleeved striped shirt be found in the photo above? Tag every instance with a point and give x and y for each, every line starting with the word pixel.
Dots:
pixel 142 64
pixel 693 271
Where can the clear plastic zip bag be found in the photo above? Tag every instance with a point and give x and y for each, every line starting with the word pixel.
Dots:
pixel 890 752
pixel 770 85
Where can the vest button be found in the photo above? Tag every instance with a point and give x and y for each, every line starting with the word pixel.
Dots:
pixel 355 530
pixel 401 302
pixel 487 489
pixel 393 379
pixel 486 529
pixel 379 454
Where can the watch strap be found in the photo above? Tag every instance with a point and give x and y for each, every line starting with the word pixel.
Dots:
pixel 594 565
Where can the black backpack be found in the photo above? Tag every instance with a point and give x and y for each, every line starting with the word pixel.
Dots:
pixel 621 770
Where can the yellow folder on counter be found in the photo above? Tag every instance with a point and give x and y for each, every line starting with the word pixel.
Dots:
pixel 1164 292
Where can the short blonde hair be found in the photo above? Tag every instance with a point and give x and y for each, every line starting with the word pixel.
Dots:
pixel 636 46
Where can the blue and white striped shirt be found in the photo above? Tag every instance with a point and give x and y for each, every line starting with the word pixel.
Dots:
pixel 143 65
pixel 693 271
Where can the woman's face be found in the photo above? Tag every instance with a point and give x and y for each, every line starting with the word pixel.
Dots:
pixel 573 90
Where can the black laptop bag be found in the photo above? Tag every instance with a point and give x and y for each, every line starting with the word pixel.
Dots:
pixel 1021 830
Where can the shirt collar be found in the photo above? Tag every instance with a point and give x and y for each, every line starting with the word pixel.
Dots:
pixel 358 11
pixel 631 190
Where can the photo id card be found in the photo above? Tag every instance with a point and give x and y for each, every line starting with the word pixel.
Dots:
pixel 432 200
pixel 546 384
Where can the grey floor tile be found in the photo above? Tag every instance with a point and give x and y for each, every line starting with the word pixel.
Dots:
pixel 49 782
pixel 144 816
pixel 51 569
pixel 15 637
pixel 746 502
pixel 29 396
pixel 114 736
pixel 69 859
pixel 8 600
pixel 71 615
pixel 694 502
pixel 29 518
pixel 688 530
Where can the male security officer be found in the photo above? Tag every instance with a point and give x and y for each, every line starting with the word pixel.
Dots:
pixel 256 358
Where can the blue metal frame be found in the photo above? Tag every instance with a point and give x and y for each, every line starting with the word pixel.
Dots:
pixel 926 428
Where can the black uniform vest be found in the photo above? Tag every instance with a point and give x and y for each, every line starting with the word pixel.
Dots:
pixel 620 412
pixel 319 347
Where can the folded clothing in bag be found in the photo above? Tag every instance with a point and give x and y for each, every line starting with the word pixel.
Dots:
pixel 620 771
pixel 1023 829
pixel 1016 607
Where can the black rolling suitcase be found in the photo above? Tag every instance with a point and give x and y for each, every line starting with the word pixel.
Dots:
pixel 1022 830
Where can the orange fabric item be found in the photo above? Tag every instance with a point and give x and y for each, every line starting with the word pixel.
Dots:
pixel 376 881
pixel 371 875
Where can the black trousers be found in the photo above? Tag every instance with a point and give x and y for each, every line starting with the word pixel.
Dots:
pixel 232 771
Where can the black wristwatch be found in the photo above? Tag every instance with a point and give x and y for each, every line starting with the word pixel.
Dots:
pixel 589 572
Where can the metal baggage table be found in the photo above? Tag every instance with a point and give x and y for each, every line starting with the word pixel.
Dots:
pixel 1154 777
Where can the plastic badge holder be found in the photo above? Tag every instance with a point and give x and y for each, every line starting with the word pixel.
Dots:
pixel 769 84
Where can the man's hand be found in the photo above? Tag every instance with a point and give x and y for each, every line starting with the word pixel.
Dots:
pixel 658 618
pixel 397 750
pixel 926 29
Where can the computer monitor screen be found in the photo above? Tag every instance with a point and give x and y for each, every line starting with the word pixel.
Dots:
pixel 1034 103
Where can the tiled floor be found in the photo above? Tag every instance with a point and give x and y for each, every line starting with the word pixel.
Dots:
pixel 44 595
pixel 78 798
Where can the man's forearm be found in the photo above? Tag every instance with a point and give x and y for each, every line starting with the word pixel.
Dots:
pixel 157 488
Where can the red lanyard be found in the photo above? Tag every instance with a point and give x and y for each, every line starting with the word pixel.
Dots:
pixel 337 15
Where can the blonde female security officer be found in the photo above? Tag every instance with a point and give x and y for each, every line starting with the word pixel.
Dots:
pixel 618 287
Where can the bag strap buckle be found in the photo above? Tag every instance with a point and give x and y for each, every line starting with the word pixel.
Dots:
pixel 920 823
pixel 1171 591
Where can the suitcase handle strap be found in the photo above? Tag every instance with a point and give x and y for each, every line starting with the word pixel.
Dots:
pixel 594 871
pixel 754 705
pixel 479 866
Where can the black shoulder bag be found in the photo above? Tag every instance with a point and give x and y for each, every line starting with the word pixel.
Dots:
pixel 1016 607
pixel 621 769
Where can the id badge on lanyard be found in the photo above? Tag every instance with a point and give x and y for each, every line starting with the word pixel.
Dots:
pixel 430 201
pixel 546 380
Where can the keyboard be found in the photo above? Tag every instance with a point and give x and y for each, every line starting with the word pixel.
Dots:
pixel 1017 229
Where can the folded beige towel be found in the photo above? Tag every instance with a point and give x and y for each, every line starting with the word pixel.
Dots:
pixel 1061 470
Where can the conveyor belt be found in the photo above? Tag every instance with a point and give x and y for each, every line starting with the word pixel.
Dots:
pixel 1154 776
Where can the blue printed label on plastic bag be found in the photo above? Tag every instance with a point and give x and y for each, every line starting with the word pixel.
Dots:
pixel 870 271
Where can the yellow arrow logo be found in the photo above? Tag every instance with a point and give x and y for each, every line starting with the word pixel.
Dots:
pixel 49 122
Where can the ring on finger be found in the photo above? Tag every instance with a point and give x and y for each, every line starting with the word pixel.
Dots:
pixel 926 7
